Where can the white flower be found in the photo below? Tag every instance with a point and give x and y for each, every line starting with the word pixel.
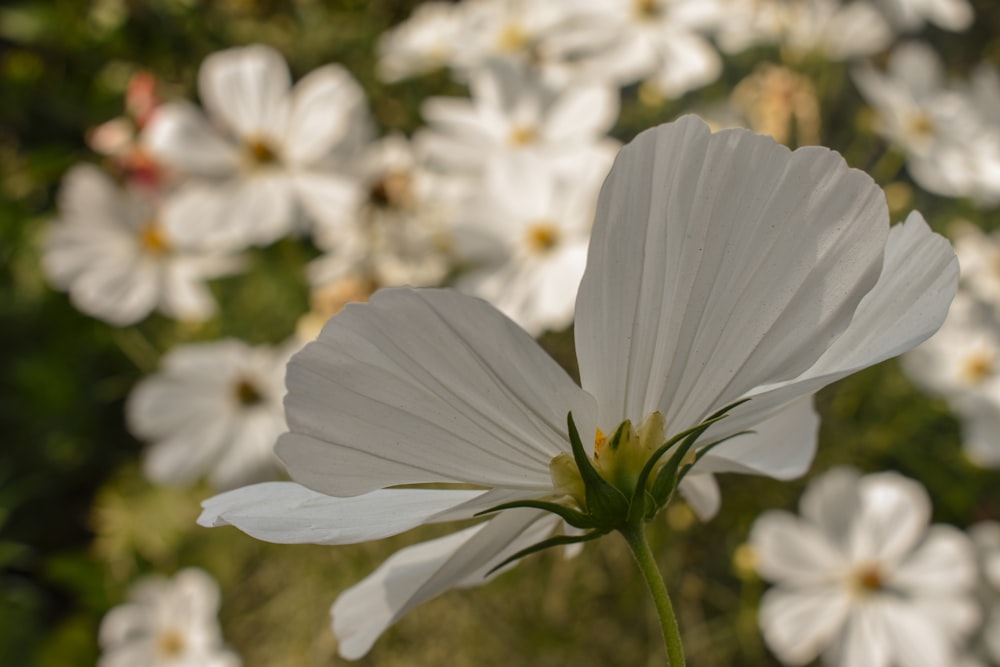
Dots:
pixel 265 151
pixel 838 31
pixel 424 42
pixel 861 578
pixel 911 14
pixel 212 408
pixel 118 259
pixel 656 41
pixel 721 267
pixel 513 112
pixel 528 232
pixel 167 623
pixel 986 536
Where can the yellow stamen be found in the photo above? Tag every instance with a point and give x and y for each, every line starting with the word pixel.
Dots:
pixel 523 135
pixel 600 440
pixel 542 237
pixel 648 9
pixel 922 125
pixel 170 643
pixel 868 579
pixel 153 239
pixel 260 152
pixel 247 393
pixel 977 367
pixel 512 38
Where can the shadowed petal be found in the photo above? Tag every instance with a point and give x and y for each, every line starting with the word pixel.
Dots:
pixel 719 263
pixel 424 571
pixel 426 386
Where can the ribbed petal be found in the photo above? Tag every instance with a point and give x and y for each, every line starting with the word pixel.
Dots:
pixel 719 263
pixel 424 571
pixel 906 306
pixel 325 105
pixel 248 90
pixel 426 386
pixel 792 551
pixel 798 624
pixel 288 513
pixel 181 137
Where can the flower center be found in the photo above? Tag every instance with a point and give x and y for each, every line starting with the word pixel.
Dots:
pixel 523 135
pixel 512 37
pixel 247 394
pixel 868 579
pixel 648 9
pixel 170 643
pixel 922 125
pixel 977 367
pixel 391 191
pixel 260 153
pixel 542 237
pixel 618 459
pixel 152 239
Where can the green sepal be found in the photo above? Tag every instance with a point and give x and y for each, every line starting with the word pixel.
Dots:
pixel 556 541
pixel 605 503
pixel 668 478
pixel 706 449
pixel 571 516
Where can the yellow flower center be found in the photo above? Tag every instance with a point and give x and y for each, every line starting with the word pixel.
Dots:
pixel 523 135
pixel 648 9
pixel 922 125
pixel 392 190
pixel 868 579
pixel 542 237
pixel 260 153
pixel 977 367
pixel 170 643
pixel 152 238
pixel 618 459
pixel 247 393
pixel 512 37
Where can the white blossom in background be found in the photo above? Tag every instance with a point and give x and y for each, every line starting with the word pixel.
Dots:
pixel 829 28
pixel 265 153
pixel 167 623
pixel 424 42
pixel 862 579
pixel 911 15
pixel 525 236
pixel 119 259
pixel 660 42
pixel 397 232
pixel 986 536
pixel 512 112
pixel 950 147
pixel 721 266
pixel 961 363
pixel 212 408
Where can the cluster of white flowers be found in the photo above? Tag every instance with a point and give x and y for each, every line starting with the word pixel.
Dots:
pixel 711 274
pixel 962 361
pixel 167 623
pixel 949 132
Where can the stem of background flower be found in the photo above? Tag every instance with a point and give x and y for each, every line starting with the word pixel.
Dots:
pixel 636 538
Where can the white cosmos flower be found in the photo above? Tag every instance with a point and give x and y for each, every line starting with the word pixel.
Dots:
pixel 861 579
pixel 527 232
pixel 721 266
pixel 212 408
pixel 167 623
pixel 513 112
pixel 118 259
pixel 986 536
pixel 910 15
pixel 266 149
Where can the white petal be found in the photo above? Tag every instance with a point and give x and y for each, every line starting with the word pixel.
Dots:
pixel 288 513
pixel 798 624
pixel 831 502
pixel 915 639
pixel 718 263
pixel 945 563
pixel 181 137
pixel 792 551
pixel 325 105
pixel 421 572
pixel 426 386
pixel 906 306
pixel 248 90
pixel 893 515
pixel 581 113
pixel 865 640
pixel 701 492
pixel 781 446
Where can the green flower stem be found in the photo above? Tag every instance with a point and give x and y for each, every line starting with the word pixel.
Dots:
pixel 635 535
